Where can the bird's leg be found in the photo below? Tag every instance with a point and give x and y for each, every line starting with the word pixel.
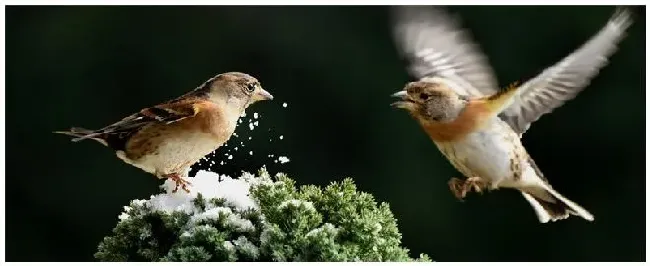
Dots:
pixel 179 182
pixel 456 186
pixel 477 183
pixel 461 187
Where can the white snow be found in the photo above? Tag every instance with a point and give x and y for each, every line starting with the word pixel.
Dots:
pixel 211 214
pixel 246 247
pixel 325 227
pixel 283 159
pixel 294 202
pixel 256 115
pixel 207 183
pixel 240 223
pixel 228 245
pixel 284 105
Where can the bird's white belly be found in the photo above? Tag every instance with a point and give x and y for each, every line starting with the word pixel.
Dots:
pixel 177 154
pixel 488 154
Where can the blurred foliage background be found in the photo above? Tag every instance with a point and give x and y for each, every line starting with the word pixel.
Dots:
pixel 335 67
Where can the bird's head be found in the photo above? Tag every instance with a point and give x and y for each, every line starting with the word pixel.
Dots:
pixel 234 89
pixel 431 101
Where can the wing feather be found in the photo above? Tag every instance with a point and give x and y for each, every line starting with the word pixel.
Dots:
pixel 435 45
pixel 564 80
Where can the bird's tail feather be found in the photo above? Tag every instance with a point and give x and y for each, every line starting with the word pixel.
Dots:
pixel 549 205
pixel 82 133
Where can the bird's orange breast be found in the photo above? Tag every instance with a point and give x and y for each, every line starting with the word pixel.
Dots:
pixel 469 120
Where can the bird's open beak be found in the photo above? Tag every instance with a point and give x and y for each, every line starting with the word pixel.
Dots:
pixel 404 101
pixel 262 95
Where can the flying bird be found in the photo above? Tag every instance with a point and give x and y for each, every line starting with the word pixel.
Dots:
pixel 168 138
pixel 477 126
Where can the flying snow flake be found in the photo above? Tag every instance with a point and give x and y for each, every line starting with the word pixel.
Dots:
pixel 284 105
pixel 256 115
pixel 250 152
pixel 283 159
pixel 229 157
pixel 281 136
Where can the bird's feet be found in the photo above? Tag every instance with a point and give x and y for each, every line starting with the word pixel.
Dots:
pixel 461 187
pixel 180 182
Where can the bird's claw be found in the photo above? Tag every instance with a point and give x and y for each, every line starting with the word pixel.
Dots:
pixel 461 187
pixel 180 182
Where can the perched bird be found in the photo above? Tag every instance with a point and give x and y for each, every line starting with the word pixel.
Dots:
pixel 477 126
pixel 168 138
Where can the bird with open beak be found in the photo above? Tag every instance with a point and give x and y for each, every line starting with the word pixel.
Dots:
pixel 168 138
pixel 477 126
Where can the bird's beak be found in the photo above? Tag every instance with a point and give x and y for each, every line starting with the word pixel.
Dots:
pixel 262 95
pixel 400 94
pixel 404 102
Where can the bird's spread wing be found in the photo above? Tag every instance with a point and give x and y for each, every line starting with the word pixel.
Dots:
pixel 564 80
pixel 435 45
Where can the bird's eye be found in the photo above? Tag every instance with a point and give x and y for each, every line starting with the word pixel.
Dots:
pixel 251 87
pixel 424 96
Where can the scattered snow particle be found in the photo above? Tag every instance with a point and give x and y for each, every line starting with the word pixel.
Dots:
pixel 229 157
pixel 249 138
pixel 221 163
pixel 250 152
pixel 256 123
pixel 251 126
pixel 283 159
pixel 281 136
pixel 284 105
pixel 236 148
pixel 255 115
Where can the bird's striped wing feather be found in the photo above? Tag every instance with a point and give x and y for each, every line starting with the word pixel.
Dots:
pixel 564 80
pixel 435 46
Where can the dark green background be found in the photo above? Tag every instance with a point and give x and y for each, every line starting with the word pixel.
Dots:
pixel 335 67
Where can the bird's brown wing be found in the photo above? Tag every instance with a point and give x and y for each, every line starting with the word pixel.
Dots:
pixel 435 46
pixel 116 135
pixel 564 80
